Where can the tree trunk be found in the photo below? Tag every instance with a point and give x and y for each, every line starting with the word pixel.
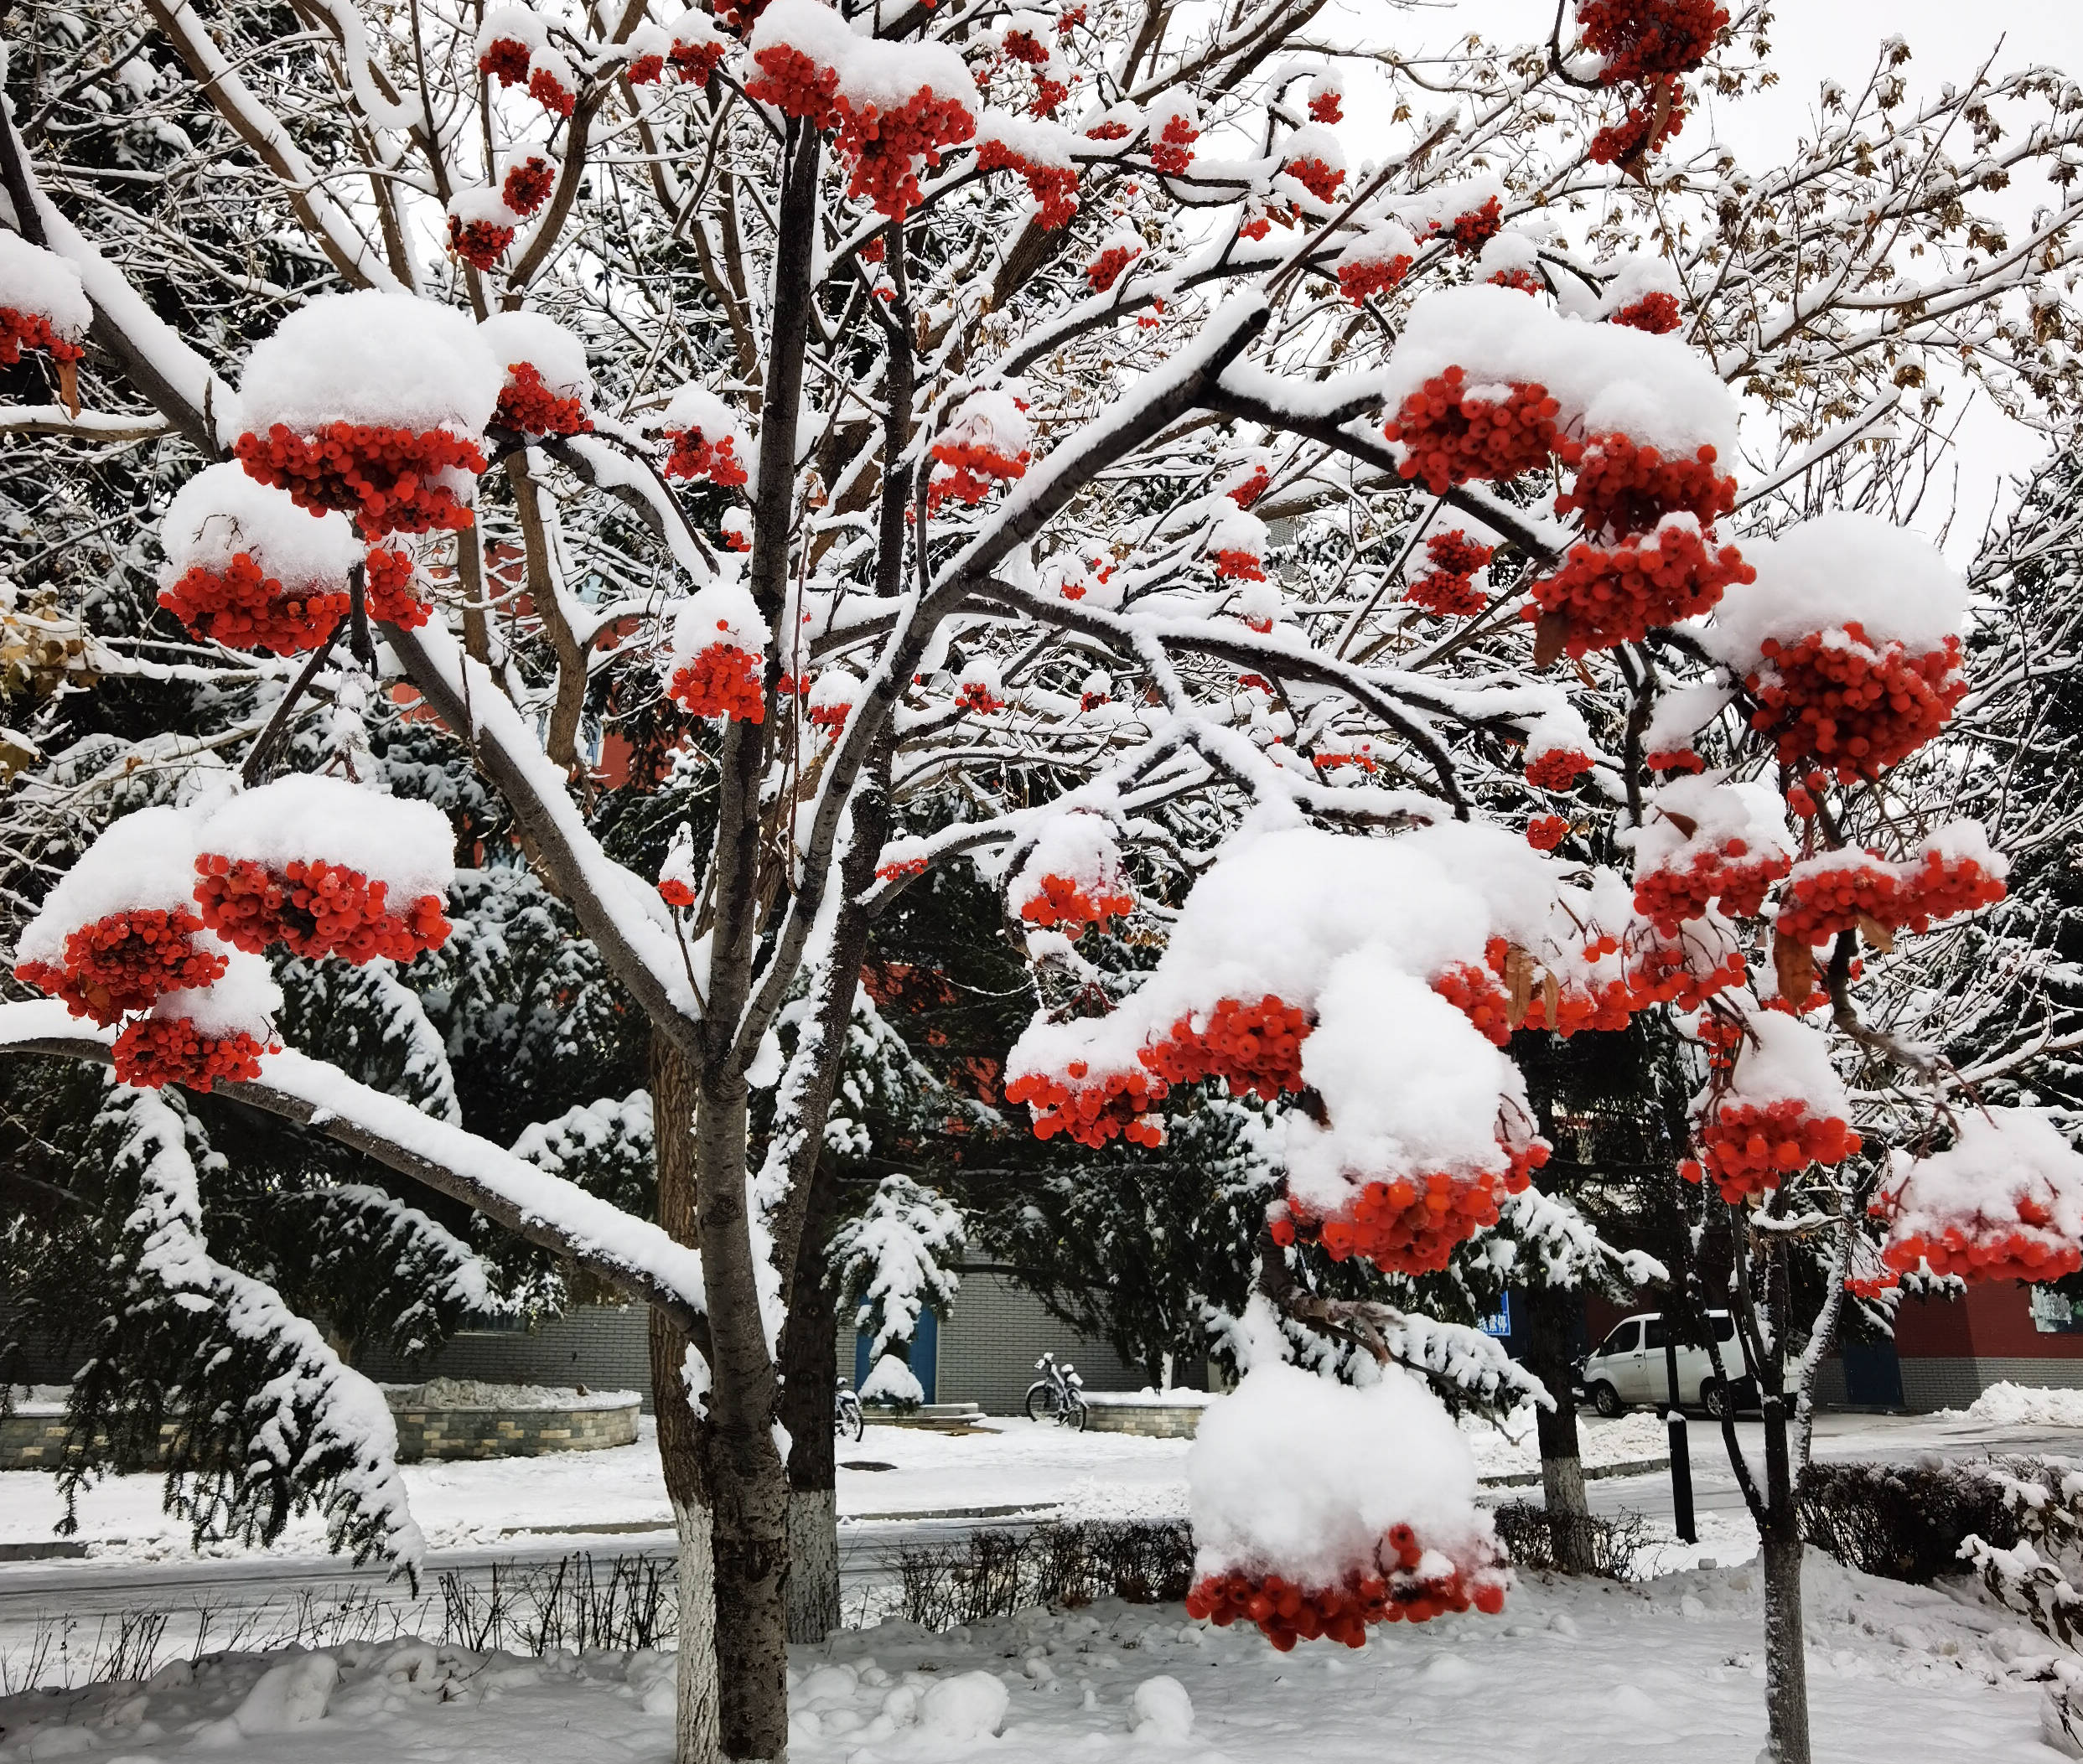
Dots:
pixel 747 1483
pixel 810 1377
pixel 1785 1647
pixel 696 1735
pixel 1550 1312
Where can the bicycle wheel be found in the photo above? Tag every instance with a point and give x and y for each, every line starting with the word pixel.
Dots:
pixel 1041 1402
pixel 852 1421
pixel 1074 1413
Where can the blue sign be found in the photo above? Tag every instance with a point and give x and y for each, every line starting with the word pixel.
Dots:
pixel 1498 1321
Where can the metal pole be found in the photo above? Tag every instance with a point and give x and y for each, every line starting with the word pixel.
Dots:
pixel 1681 1480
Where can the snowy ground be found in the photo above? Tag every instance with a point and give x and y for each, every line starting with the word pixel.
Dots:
pixel 1004 1466
pixel 1571 1673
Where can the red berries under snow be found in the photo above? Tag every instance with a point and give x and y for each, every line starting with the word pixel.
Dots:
pixel 1604 597
pixel 1448 589
pixel 705 437
pixel 988 443
pixel 42 306
pixel 1073 878
pixel 1451 435
pixel 718 665
pixel 1855 706
pixel 2004 1202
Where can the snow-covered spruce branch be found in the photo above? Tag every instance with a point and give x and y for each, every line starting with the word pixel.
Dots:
pixel 540 1208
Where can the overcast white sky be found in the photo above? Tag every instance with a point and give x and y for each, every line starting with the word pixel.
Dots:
pixel 1813 40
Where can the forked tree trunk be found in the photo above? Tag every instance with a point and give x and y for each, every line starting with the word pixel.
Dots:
pixel 809 1378
pixel 697 1734
pixel 1550 1312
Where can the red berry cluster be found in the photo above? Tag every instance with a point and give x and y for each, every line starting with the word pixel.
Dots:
pixel 1063 903
pixel 124 962
pixel 548 91
pixel 1749 1147
pixel 1407 1225
pixel 1558 768
pixel 1327 107
pixel 973 695
pixel 901 870
pixel 721 680
pixel 1608 597
pixel 675 893
pixel 1117 1105
pixel 1472 231
pixel 1602 1004
pixel 1246 494
pixel 505 59
pixel 1662 972
pixel 1104 271
pixel 1025 46
pixel 1674 759
pixel 697 63
pixel 1820 903
pixel 528 407
pixel 1941 887
pixel 385 478
pixel 694 455
pixel 739 16
pixel 794 84
pixel 171 1050
pixel 831 717
pixel 1851 708
pixel 1054 188
pixel 1450 437
pixel 1524 280
pixel 1320 180
pixel 315 908
pixel 1545 832
pixel 1475 991
pixel 244 608
pixel 479 243
pixel 1448 587
pixel 1358 279
pixel 645 70
pixel 1641 38
pixel 1172 151
pixel 1048 96
pixel 527 185
pixel 1729 872
pixel 1252 1047
pixel 1640 131
pixel 882 144
pixel 1621 488
pixel 1239 566
pixel 387 590
pixel 1985 1250
pixel 1657 313
pixel 1113 129
pixel 974 470
pixel 20 330
pixel 1288 1613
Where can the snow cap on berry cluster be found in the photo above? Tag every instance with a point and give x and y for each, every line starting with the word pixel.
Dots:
pixel 519 24
pixel 1717 813
pixel 242 1000
pixel 832 695
pixel 1028 138
pixel 1782 1059
pixel 1607 379
pixel 387 360
pixel 695 406
pixel 1559 728
pixel 476 202
pixel 41 284
pixel 1080 848
pixel 1631 278
pixel 2010 1173
pixel 545 345
pixel 1444 203
pixel 723 613
pixel 304 817
pixel 988 421
pixel 1681 714
pixel 143 863
pixel 1296 1474
pixel 1839 569
pixel 1510 250
pixel 1233 531
pixel 222 511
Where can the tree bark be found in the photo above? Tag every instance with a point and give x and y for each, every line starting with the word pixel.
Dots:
pixel 696 1735
pixel 1786 1646
pixel 809 1382
pixel 1550 1312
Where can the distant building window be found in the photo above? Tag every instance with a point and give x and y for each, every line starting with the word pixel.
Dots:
pixel 2055 1315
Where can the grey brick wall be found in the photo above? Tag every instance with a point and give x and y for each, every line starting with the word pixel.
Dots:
pixel 602 1347
pixel 990 1341
pixel 1948 1384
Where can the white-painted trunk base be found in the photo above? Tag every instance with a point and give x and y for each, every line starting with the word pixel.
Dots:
pixel 813 1591
pixel 698 1738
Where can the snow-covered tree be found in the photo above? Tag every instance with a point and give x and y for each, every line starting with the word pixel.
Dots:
pixel 893 1263
pixel 841 412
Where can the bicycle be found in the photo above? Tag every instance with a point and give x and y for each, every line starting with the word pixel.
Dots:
pixel 1057 1395
pixel 846 1413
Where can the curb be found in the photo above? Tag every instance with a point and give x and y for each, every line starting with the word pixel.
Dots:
pixel 1591 1472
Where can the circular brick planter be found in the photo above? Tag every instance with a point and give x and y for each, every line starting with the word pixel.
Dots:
pixel 445 1429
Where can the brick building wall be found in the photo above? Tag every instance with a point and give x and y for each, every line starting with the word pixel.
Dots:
pixel 602 1347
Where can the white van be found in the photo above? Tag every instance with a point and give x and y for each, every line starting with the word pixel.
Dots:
pixel 1630 1366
